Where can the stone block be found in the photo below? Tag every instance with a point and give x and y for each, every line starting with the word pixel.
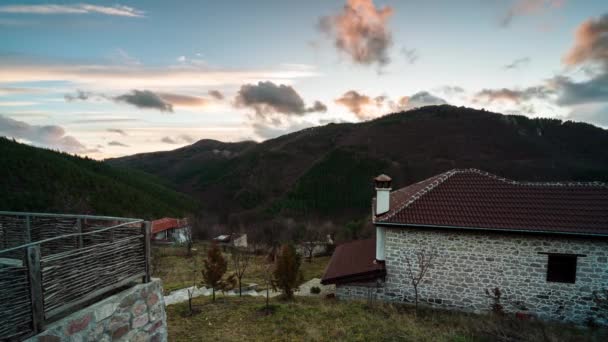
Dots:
pixel 78 324
pixel 156 313
pixel 119 321
pixel 152 299
pixel 139 321
pixel 119 332
pixel 104 311
pixel 138 309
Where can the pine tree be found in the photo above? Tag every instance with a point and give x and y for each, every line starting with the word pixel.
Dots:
pixel 215 267
pixel 287 271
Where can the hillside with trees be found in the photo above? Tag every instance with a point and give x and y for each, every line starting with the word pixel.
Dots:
pixel 40 180
pixel 326 172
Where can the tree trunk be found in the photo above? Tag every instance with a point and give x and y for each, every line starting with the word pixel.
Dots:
pixel 416 299
pixel 267 299
pixel 240 288
pixel 213 292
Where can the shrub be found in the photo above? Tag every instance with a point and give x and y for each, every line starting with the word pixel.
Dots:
pixel 495 295
pixel 215 267
pixel 287 273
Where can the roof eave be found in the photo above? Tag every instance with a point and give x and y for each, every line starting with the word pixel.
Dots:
pixel 368 275
pixel 545 232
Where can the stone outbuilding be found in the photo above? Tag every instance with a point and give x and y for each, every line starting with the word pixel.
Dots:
pixel 544 245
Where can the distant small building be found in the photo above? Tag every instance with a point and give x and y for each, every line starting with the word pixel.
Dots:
pixel 233 240
pixel 169 229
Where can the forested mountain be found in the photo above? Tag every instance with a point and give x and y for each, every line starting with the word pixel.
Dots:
pixel 40 180
pixel 326 171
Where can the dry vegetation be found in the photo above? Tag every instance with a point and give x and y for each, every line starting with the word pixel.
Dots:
pixel 316 319
pixel 176 269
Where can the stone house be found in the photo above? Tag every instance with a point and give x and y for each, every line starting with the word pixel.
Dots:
pixel 544 245
pixel 171 230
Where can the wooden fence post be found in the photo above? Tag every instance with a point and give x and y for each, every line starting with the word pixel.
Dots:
pixel 28 229
pixel 147 237
pixel 36 295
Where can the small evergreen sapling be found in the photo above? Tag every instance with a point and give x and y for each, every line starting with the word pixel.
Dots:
pixel 214 269
pixel 286 275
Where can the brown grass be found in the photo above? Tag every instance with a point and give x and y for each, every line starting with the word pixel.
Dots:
pixel 178 271
pixel 316 319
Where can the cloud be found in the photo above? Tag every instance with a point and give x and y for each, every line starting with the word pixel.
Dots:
pixel 356 103
pixel 46 9
pixel 512 95
pixel 17 91
pixel 420 99
pixel 589 91
pixel 122 77
pixel 183 100
pixel 145 99
pixel 528 7
pixel 216 94
pixel 180 139
pixel 266 130
pixel 591 43
pixel 450 90
pixel 268 97
pixel 590 50
pixel 117 130
pixel 361 31
pixel 104 120
pixel 80 95
pixel 366 107
pixel 518 63
pixel 117 143
pixel 121 56
pixel 50 136
pixel 411 55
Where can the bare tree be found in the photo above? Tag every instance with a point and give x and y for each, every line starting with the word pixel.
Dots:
pixel 418 269
pixel 240 261
pixel 191 289
pixel 268 282
pixel 188 240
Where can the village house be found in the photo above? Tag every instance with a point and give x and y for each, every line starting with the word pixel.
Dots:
pixel 170 230
pixel 231 240
pixel 544 245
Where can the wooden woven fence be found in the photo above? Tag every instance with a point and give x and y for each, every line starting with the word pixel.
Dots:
pixel 50 265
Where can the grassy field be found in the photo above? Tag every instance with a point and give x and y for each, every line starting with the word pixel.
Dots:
pixel 318 319
pixel 177 271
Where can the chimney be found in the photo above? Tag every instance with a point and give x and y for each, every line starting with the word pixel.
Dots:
pixel 383 191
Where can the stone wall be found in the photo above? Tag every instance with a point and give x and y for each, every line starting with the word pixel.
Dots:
pixel 468 263
pixel 135 314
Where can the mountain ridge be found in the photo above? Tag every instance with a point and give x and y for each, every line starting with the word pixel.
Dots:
pixel 326 171
pixel 41 180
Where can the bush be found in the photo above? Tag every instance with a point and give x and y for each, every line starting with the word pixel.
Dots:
pixel 287 275
pixel 315 290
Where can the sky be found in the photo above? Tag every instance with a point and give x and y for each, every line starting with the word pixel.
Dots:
pixel 107 79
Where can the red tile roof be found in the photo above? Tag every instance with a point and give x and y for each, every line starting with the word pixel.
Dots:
pixel 478 200
pixel 353 261
pixel 167 223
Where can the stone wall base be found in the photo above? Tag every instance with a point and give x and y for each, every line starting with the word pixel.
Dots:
pixel 135 314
